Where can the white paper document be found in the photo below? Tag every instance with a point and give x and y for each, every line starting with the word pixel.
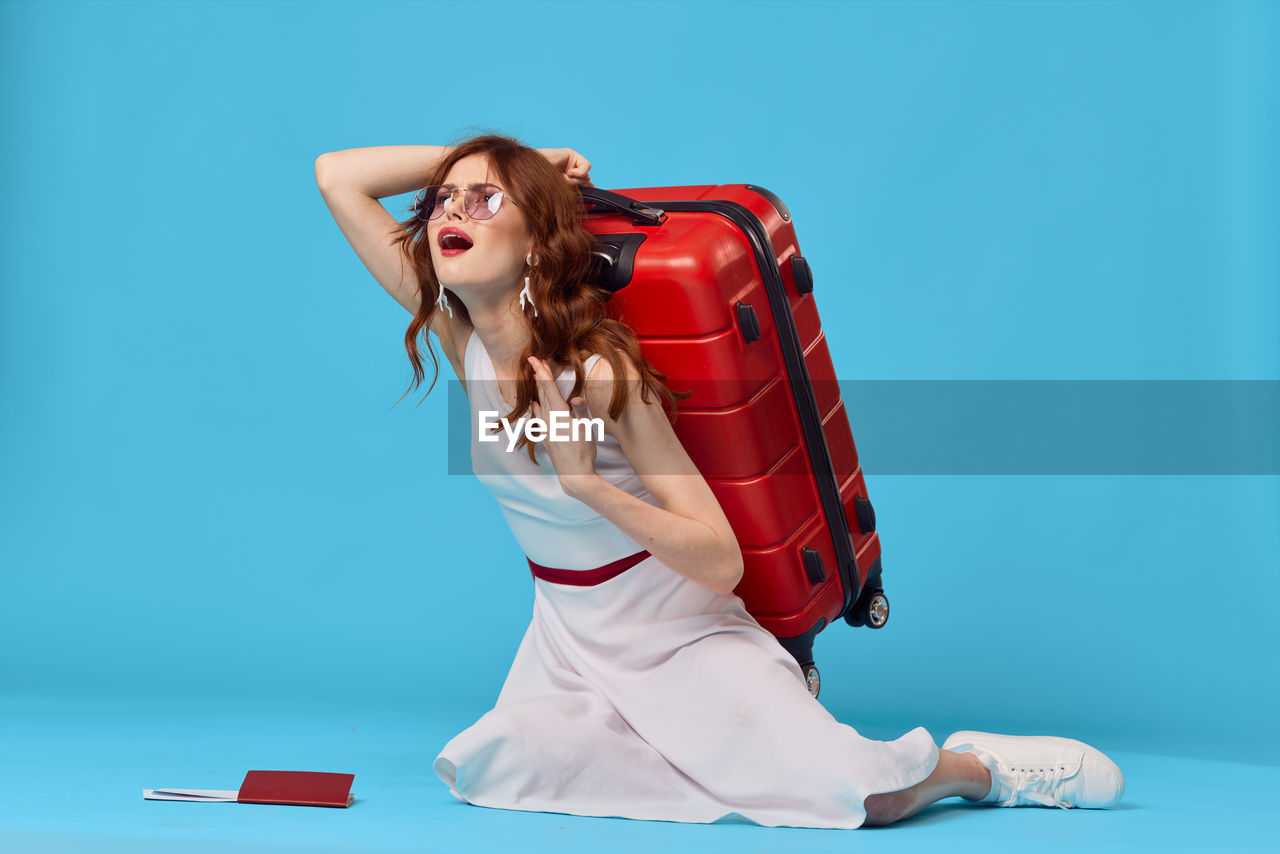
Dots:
pixel 212 795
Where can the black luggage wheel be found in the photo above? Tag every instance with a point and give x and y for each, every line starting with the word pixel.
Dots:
pixel 801 649
pixel 811 678
pixel 871 610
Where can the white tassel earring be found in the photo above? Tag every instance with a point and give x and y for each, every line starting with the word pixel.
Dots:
pixel 443 303
pixel 526 294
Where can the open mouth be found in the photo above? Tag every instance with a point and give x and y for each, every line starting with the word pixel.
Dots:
pixel 453 242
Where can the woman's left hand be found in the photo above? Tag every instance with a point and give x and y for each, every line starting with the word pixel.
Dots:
pixel 576 168
pixel 573 459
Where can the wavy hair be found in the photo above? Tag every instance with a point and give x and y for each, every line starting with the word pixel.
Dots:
pixel 571 320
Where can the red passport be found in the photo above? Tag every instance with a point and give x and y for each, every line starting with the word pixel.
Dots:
pixel 298 788
pixel 294 788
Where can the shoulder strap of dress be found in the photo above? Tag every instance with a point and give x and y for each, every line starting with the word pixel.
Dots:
pixel 466 348
pixel 468 360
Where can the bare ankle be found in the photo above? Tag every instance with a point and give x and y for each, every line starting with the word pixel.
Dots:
pixel 980 779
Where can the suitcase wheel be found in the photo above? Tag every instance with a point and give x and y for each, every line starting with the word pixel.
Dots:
pixel 812 679
pixel 873 609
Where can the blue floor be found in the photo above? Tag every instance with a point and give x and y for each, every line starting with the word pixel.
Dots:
pixel 72 773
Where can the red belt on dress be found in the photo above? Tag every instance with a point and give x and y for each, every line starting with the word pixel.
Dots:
pixel 586 577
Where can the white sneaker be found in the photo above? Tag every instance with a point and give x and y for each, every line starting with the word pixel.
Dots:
pixel 1043 770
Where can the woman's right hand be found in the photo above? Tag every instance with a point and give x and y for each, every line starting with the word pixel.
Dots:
pixel 576 168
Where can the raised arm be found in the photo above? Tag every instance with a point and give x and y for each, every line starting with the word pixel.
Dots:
pixel 354 179
pixel 381 170
pixel 351 182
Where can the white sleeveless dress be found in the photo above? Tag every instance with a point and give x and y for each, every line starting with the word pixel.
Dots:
pixel 648 696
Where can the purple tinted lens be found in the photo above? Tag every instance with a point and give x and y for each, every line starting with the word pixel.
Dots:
pixel 482 202
pixel 441 199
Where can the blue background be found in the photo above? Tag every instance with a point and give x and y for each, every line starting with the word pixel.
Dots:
pixel 224 549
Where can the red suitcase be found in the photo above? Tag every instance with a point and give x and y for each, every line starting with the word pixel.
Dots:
pixel 711 280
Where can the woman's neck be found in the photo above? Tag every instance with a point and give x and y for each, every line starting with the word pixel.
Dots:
pixel 504 339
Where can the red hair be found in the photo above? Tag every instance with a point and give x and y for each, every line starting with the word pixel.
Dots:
pixel 572 322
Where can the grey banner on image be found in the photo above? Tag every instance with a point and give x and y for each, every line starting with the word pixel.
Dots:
pixel 1036 427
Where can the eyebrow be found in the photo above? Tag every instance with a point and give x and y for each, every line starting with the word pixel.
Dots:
pixel 482 183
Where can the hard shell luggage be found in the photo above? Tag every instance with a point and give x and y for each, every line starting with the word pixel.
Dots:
pixel 712 281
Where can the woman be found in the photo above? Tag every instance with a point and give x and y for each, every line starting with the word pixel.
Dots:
pixel 642 687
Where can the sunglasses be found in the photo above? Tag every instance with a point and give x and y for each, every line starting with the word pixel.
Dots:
pixel 480 202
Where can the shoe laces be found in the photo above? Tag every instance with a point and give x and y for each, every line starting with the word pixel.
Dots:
pixel 1033 784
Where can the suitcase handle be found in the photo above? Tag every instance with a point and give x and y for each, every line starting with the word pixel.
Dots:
pixel 599 201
